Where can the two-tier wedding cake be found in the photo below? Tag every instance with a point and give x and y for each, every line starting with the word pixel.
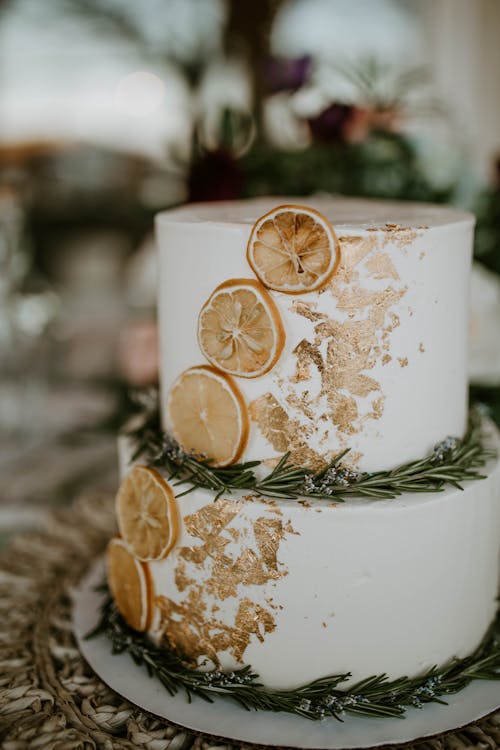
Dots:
pixel 334 334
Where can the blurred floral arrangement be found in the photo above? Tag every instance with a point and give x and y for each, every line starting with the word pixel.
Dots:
pixel 344 147
pixel 279 129
pixel 276 125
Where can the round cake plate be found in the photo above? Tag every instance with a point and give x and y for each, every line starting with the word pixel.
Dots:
pixel 228 721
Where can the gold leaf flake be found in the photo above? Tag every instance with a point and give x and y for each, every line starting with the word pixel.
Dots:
pixel 400 235
pixel 377 408
pixel 343 351
pixel 251 619
pixel 283 433
pixel 272 419
pixel 306 310
pixel 301 403
pixel 182 580
pixel 211 570
pixel 340 353
pixel 382 267
pixel 193 634
pixel 353 251
pixel 307 354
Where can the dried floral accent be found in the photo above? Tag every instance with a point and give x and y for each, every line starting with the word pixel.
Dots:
pixel 452 462
pixel 376 697
pixel 443 450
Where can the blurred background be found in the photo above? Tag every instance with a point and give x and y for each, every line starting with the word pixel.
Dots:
pixel 111 110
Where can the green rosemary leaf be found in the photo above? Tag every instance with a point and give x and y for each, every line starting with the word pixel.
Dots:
pixel 376 696
pixel 452 462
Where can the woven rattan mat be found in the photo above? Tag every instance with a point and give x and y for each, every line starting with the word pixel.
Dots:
pixel 49 698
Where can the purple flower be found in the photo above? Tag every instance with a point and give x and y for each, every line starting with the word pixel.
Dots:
pixel 281 74
pixel 340 123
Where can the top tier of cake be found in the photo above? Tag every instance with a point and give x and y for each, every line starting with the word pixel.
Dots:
pixel 375 360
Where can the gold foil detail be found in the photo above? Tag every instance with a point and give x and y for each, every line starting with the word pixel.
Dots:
pixel 273 421
pixel 401 234
pixel 352 350
pixel 421 347
pixel 339 355
pixel 306 310
pixel 194 634
pixel 215 570
pixel 382 267
pixel 289 528
pixel 352 459
pixel 283 433
pixel 182 580
pixel 307 354
pixel 301 403
pixel 268 535
pixel 377 408
pixel 251 619
pixel 403 361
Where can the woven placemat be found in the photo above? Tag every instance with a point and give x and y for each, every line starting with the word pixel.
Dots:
pixel 49 698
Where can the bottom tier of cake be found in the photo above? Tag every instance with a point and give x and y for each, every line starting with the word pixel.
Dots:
pixel 301 590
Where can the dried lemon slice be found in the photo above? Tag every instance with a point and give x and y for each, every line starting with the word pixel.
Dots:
pixel 240 330
pixel 147 514
pixel 293 249
pixel 207 415
pixel 128 581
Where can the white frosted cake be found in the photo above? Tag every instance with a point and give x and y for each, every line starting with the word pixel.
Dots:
pixel 311 331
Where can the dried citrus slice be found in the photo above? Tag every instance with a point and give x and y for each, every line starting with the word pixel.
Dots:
pixel 240 330
pixel 293 249
pixel 128 580
pixel 147 514
pixel 207 415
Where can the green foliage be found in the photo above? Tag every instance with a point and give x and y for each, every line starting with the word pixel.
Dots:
pixel 384 166
pixel 487 237
pixel 452 462
pixel 376 696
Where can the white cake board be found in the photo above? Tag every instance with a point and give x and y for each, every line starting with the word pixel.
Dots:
pixel 228 721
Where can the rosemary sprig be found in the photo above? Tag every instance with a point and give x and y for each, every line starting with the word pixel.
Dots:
pixel 452 462
pixel 376 696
